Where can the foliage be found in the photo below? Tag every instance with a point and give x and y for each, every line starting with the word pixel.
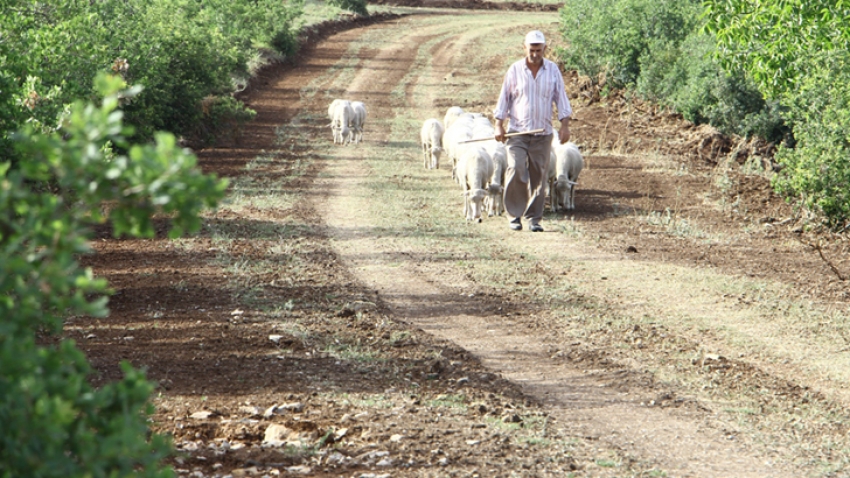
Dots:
pixel 774 40
pixel 55 423
pixel 356 6
pixel 796 52
pixel 181 51
pixel 817 170
pixel 611 36
pixel 657 48
pixel 689 79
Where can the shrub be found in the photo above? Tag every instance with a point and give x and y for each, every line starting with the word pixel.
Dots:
pixel 817 170
pixel 356 6
pixel 54 423
pixel 657 48
pixel 611 36
pixel 181 51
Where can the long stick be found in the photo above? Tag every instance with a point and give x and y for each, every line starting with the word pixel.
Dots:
pixel 534 131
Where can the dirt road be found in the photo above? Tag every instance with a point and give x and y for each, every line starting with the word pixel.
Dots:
pixel 676 324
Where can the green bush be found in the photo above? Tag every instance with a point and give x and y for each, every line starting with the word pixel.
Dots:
pixel 611 36
pixel 54 423
pixel 657 48
pixel 356 6
pixel 180 51
pixel 817 170
pixel 690 80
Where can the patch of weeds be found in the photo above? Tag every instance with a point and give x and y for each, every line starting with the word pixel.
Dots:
pixel 399 336
pixel 181 286
pixel 373 401
pixel 452 401
pixel 351 353
pixel 607 463
pixel 674 225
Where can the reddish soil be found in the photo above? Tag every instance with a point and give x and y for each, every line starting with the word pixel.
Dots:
pixel 176 313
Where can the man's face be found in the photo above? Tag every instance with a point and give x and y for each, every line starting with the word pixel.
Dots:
pixel 534 53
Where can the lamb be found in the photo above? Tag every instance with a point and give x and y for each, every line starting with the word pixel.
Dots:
pixel 496 188
pixel 482 128
pixel 474 169
pixel 431 137
pixel 358 121
pixel 341 114
pixel 565 164
pixel 460 130
pixel 451 115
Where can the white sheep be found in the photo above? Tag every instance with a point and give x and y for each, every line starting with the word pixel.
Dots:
pixel 474 169
pixel 451 115
pixel 482 128
pixel 565 164
pixel 341 114
pixel 496 188
pixel 431 137
pixel 358 121
pixel 462 129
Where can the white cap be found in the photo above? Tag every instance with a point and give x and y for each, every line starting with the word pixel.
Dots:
pixel 534 36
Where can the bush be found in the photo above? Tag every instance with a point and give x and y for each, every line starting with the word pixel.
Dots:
pixel 54 423
pixel 817 170
pixel 657 48
pixel 181 51
pixel 356 6
pixel 611 36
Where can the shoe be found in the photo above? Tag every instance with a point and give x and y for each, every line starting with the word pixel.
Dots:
pixel 536 228
pixel 515 225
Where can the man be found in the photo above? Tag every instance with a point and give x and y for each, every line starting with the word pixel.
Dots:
pixel 530 88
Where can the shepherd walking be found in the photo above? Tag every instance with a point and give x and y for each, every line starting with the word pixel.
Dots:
pixel 530 88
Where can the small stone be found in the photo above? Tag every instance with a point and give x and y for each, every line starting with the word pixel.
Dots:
pixel 201 415
pixel 300 469
pixel 249 410
pixel 275 338
pixel 270 411
pixel 396 438
pixel 276 435
pixel 295 407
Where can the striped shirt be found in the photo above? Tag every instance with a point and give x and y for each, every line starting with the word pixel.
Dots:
pixel 527 100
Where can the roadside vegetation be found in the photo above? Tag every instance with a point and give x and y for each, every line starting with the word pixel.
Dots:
pixel 774 70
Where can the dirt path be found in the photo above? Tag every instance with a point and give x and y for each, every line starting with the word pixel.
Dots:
pixel 679 443
pixel 678 323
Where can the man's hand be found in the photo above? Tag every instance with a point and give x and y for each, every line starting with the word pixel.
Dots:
pixel 500 132
pixel 564 132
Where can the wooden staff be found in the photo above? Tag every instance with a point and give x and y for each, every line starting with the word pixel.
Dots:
pixel 534 131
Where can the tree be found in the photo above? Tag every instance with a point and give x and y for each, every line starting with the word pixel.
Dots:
pixel 776 41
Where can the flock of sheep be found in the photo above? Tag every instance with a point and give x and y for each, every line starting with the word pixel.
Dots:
pixel 479 162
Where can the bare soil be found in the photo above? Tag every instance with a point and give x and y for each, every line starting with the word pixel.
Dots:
pixel 449 386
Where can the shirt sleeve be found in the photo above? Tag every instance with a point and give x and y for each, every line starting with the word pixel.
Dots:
pixel 565 110
pixel 503 106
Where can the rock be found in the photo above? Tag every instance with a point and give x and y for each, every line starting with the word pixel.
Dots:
pixel 201 415
pixel 270 411
pixel 249 410
pixel 276 435
pixel 339 434
pixel 396 438
pixel 275 338
pixel 511 418
pixel 300 469
pixel 294 407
